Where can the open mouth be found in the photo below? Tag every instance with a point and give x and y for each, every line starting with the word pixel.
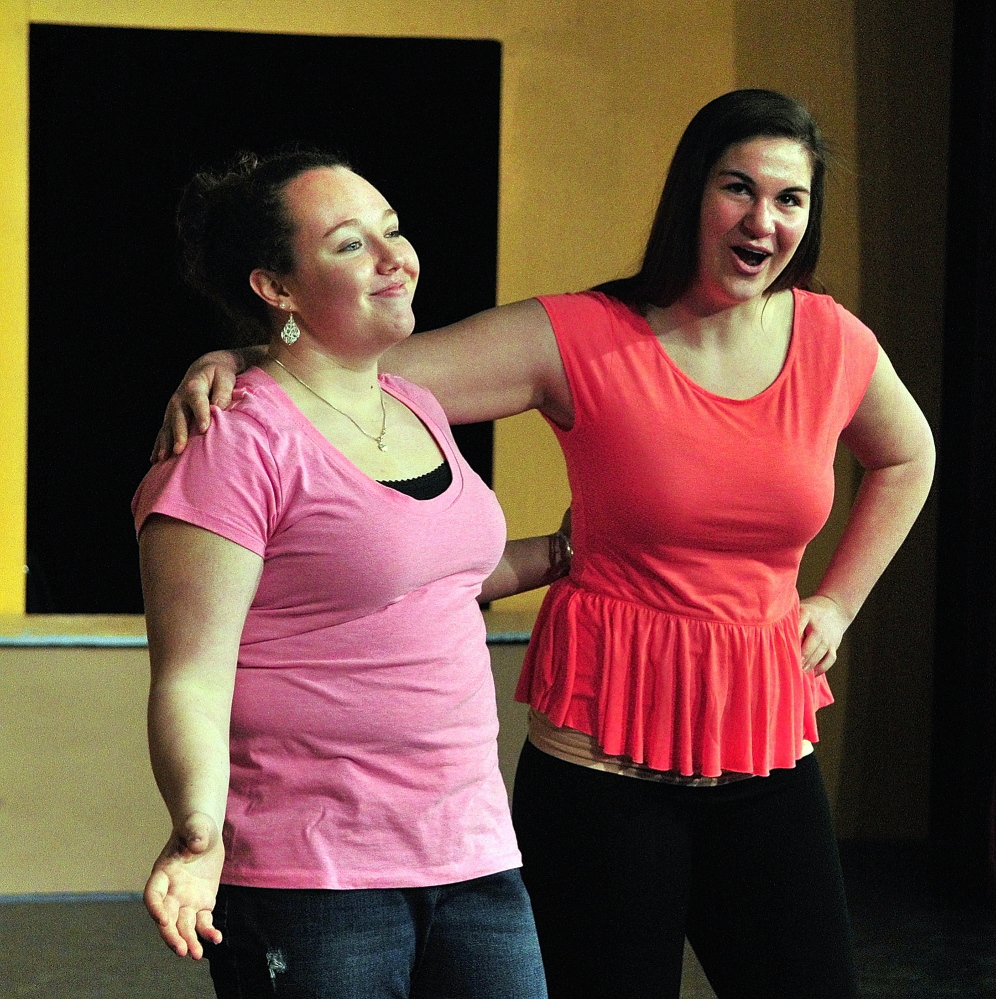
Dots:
pixel 753 258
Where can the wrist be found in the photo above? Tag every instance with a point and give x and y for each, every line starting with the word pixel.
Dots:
pixel 841 607
pixel 561 553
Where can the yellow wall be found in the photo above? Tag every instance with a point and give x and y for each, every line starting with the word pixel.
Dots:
pixel 14 300
pixel 815 63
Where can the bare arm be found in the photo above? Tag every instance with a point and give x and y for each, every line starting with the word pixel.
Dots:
pixel 498 363
pixel 891 439
pixel 198 588
pixel 528 563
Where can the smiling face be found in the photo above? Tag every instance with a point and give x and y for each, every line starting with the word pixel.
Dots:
pixel 755 209
pixel 355 274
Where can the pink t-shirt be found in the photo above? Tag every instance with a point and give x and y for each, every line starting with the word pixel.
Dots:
pixel 674 641
pixel 363 738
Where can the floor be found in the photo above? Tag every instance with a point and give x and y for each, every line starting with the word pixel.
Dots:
pixel 908 945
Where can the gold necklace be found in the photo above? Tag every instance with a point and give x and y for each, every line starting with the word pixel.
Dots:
pixel 377 439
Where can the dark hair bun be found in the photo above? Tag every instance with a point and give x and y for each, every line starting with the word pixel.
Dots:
pixel 232 221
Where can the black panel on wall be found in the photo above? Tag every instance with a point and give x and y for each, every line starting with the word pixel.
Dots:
pixel 119 121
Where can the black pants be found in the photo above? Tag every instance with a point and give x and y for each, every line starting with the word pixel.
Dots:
pixel 620 870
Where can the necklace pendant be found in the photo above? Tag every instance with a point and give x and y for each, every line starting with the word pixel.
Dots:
pixel 381 445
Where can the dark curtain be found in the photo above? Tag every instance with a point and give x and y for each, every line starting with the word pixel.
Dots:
pixel 964 736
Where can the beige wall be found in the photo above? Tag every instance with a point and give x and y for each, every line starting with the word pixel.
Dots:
pixel 79 810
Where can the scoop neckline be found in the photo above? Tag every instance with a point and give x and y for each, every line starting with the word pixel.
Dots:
pixel 782 373
pixel 385 381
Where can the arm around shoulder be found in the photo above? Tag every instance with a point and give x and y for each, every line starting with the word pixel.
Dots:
pixel 207 382
pixel 497 363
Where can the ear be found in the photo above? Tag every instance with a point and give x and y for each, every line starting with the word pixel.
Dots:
pixel 271 289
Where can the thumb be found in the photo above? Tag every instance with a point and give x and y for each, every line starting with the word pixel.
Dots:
pixel 803 619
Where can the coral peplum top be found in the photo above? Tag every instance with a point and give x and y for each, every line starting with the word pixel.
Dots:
pixel 674 640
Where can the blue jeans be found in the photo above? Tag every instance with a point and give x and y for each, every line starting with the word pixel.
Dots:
pixel 471 940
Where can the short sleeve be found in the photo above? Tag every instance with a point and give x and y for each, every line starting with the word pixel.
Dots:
pixel 226 481
pixel 860 357
pixel 580 321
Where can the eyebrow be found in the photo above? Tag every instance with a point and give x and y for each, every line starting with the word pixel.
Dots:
pixel 388 212
pixel 798 189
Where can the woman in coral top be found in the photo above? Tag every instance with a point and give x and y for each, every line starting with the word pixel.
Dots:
pixel 669 786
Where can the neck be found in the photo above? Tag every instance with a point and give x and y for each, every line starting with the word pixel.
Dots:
pixel 702 324
pixel 328 374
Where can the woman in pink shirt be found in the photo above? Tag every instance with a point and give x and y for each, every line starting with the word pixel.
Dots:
pixel 669 786
pixel 322 722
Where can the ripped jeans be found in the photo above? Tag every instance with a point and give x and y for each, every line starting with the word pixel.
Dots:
pixel 469 940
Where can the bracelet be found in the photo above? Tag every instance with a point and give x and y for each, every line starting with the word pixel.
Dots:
pixel 561 553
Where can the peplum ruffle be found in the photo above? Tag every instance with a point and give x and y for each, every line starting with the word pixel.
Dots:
pixel 676 693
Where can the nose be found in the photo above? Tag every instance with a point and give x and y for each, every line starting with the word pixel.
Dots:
pixel 760 219
pixel 392 256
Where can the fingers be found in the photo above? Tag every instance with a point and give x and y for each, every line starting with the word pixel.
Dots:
pixel 821 659
pixel 206 929
pixel 172 436
pixel 818 653
pixel 165 912
pixel 821 629
pixel 181 927
pixel 189 408
pixel 186 928
pixel 155 898
pixel 182 888
pixel 158 448
pixel 177 425
pixel 221 391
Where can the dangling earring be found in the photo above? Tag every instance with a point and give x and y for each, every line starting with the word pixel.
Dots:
pixel 290 332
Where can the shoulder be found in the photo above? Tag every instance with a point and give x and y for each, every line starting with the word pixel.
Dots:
pixel 827 319
pixel 239 443
pixel 826 328
pixel 824 311
pixel 590 321
pixel 257 400
pixel 415 396
pixel 583 305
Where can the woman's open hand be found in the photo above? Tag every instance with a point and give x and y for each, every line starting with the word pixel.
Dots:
pixel 182 888
pixel 208 382
pixel 822 623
